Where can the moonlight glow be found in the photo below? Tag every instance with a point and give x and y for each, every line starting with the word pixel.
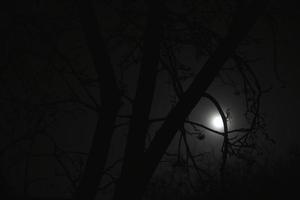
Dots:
pixel 217 122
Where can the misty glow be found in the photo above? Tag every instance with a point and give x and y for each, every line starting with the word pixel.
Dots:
pixel 217 122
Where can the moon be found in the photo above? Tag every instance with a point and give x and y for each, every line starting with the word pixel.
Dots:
pixel 217 122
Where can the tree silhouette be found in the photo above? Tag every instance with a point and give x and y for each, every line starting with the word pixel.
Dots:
pixel 135 175
pixel 149 38
pixel 110 103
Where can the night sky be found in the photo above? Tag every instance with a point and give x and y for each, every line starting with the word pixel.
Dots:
pixel 79 120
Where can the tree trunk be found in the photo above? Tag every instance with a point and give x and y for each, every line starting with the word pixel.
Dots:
pixel 110 103
pixel 133 170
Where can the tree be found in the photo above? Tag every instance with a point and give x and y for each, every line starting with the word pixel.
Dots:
pixel 136 175
pixel 110 103
pixel 151 38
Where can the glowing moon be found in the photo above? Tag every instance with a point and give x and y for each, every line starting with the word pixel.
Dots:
pixel 217 122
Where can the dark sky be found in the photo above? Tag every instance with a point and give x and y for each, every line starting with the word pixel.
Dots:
pixel 280 106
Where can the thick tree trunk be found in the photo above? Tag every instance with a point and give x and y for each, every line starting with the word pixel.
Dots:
pixel 110 103
pixel 133 170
